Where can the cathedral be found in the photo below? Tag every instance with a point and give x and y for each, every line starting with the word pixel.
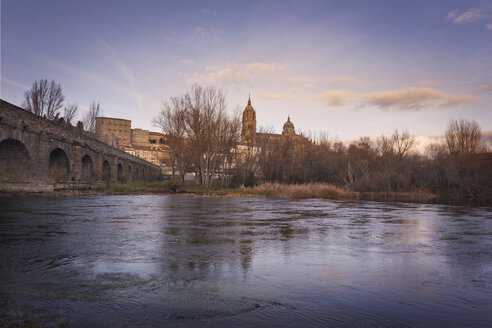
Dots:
pixel 249 136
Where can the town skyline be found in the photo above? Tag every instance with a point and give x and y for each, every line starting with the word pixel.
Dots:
pixel 347 69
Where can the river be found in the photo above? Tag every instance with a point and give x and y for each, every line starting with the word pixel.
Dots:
pixel 152 260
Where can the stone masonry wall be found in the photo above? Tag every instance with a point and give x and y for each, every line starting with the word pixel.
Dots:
pixel 37 154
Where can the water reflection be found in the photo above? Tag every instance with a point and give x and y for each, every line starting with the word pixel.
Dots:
pixel 130 260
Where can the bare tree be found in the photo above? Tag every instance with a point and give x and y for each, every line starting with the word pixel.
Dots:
pixel 435 150
pixel 403 143
pixel 385 145
pixel 44 99
pixel 463 137
pixel 90 117
pixel 172 121
pixel 212 133
pixel 71 111
pixel 339 146
pixel 200 133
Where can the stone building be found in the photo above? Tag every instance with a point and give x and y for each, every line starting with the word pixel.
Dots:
pixel 256 144
pixel 250 137
pixel 288 130
pixel 139 137
pixel 113 131
pixel 154 153
pixel 148 145
pixel 157 138
pixel 248 131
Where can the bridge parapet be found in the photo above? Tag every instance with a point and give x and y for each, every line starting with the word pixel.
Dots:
pixel 39 155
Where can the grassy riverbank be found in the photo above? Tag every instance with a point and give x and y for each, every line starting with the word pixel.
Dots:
pixel 265 190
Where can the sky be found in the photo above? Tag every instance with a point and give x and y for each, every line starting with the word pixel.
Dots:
pixel 343 68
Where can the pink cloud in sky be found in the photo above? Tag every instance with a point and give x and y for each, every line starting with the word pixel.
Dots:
pixel 409 99
pixel 247 74
pixel 471 15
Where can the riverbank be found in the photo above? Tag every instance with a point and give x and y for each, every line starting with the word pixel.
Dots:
pixel 266 190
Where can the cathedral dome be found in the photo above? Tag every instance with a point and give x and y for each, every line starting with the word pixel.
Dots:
pixel 288 129
pixel 288 124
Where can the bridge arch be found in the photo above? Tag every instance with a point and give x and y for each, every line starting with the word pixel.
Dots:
pixel 58 166
pixel 130 173
pixel 15 161
pixel 106 172
pixel 121 173
pixel 87 170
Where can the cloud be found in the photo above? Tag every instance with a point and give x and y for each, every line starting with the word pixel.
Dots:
pixel 186 61
pixel 237 74
pixel 452 14
pixel 486 87
pixel 409 99
pixel 15 84
pixel 337 97
pixel 471 15
pixel 489 26
pixel 206 33
pixel 424 141
pixel 278 73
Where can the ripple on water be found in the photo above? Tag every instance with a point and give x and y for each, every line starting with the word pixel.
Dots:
pixel 154 260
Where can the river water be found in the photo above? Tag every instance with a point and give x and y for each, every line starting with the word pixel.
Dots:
pixel 108 261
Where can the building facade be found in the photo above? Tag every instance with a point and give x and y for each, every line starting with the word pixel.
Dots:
pixel 113 131
pixel 248 130
pixel 250 137
pixel 148 145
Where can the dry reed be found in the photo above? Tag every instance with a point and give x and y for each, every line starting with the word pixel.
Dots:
pixel 308 190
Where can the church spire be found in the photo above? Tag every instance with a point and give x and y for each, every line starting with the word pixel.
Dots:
pixel 248 130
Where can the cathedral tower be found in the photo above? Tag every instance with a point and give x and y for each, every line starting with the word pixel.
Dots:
pixel 248 132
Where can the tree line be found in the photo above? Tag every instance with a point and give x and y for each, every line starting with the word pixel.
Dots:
pixel 46 99
pixel 458 168
pixel 205 140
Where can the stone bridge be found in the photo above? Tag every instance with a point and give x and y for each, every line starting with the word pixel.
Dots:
pixel 38 155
